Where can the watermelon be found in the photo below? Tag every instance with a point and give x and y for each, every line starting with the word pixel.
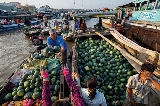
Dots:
pixel 28 95
pixel 98 58
pixel 8 97
pixel 20 92
pixel 36 95
pixel 48 51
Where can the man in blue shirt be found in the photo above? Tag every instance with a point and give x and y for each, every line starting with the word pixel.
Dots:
pixel 55 40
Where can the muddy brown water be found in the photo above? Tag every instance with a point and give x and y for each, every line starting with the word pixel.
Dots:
pixel 15 47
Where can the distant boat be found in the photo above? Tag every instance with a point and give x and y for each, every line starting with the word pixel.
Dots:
pixel 15 26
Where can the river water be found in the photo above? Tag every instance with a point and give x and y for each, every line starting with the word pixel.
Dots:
pixel 15 47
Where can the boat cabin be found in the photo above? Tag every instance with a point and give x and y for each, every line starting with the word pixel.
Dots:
pixel 146 10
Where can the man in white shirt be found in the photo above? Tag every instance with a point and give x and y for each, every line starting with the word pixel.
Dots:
pixel 139 85
pixel 91 95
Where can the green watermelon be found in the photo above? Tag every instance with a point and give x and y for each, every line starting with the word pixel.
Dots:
pixel 8 97
pixel 36 95
pixel 48 51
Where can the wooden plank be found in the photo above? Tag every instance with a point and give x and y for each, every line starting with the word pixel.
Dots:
pixel 131 44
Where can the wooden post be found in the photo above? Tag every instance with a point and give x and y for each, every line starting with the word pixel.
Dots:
pixel 74 66
pixel 157 54
pixel 61 93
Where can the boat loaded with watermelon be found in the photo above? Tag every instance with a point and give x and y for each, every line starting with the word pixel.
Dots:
pixel 142 28
pixel 26 81
pixel 104 56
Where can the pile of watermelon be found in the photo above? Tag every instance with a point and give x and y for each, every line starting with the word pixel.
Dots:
pixel 30 86
pixel 98 58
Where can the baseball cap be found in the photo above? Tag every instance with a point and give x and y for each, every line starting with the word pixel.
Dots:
pixel 52 31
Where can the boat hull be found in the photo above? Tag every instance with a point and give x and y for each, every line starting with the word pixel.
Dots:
pixel 15 26
pixel 107 21
pixel 147 35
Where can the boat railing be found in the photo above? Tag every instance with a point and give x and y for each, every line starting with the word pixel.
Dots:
pixel 131 44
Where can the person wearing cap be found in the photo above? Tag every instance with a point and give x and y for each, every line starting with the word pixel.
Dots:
pixel 55 40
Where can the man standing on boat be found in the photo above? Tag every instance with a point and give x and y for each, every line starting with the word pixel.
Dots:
pixel 45 21
pixel 55 24
pixel 55 40
pixel 76 25
pixel 26 22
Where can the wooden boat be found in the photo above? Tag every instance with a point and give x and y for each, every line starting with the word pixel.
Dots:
pixel 148 36
pixel 140 53
pixel 16 16
pixel 45 31
pixel 23 69
pixel 80 33
pixel 67 36
pixel 107 21
pixel 143 27
pixel 10 27
pixel 35 22
pixel 32 32
pixel 92 33
pixel 124 43
pixel 130 58
pixel 15 26
pixel 15 77
pixel 36 26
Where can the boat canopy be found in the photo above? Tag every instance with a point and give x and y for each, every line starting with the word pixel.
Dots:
pixel 139 1
pixel 96 14
pixel 131 4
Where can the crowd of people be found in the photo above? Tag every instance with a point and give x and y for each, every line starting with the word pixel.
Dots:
pixel 80 24
pixel 10 22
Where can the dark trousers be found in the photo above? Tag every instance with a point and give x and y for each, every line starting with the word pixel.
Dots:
pixel 63 58
pixel 45 24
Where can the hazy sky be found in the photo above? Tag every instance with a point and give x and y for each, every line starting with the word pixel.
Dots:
pixel 89 4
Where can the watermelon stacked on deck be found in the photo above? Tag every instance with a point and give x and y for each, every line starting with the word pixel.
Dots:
pixel 98 58
pixel 30 86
